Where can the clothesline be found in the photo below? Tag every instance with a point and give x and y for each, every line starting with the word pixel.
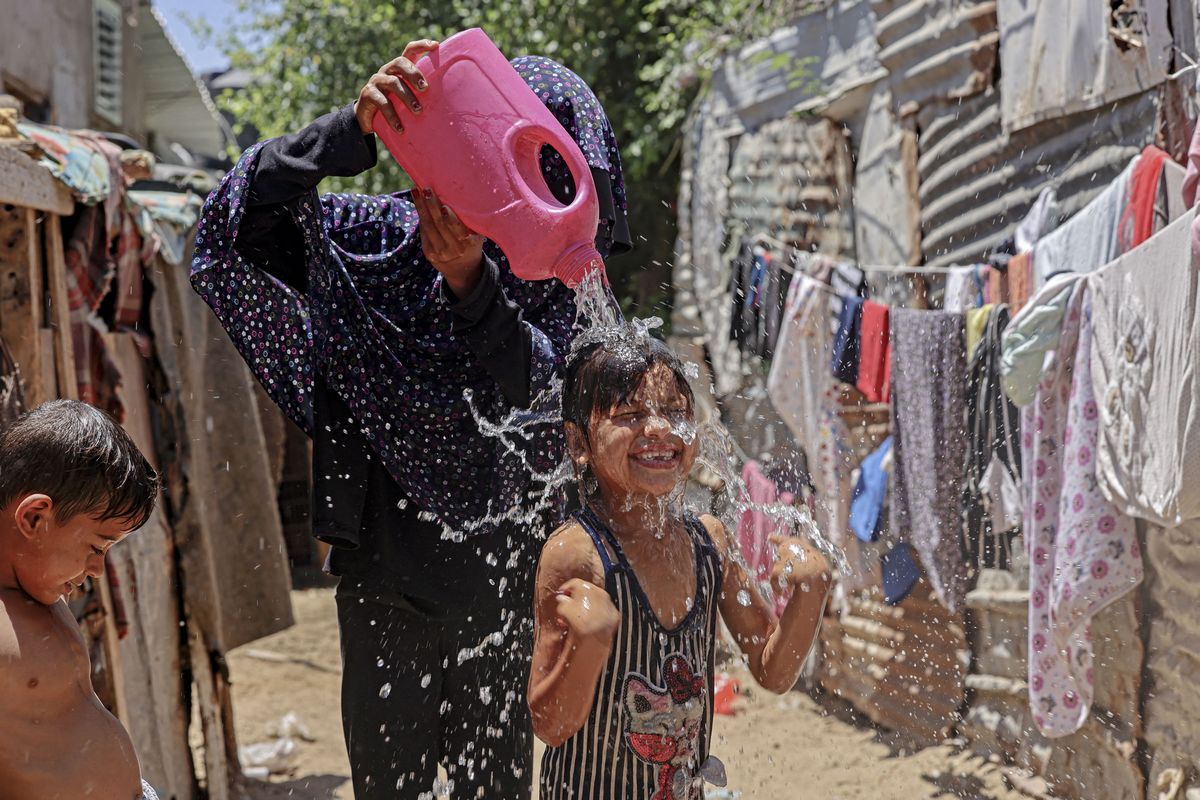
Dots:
pixel 766 238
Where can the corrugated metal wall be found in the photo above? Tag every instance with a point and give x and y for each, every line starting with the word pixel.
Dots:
pixel 918 168
pixel 1099 760
pixel 1171 596
pixel 793 178
pixel 977 181
pixel 935 49
pixel 902 666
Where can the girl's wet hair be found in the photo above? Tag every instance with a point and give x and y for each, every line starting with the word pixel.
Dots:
pixel 602 375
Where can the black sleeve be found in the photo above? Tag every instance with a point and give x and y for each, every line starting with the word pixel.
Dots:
pixel 491 326
pixel 288 168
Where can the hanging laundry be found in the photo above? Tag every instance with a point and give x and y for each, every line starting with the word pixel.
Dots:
pixel 779 280
pixel 755 333
pixel 1083 554
pixel 964 288
pixel 89 275
pixel 992 496
pixel 1040 220
pixel 875 353
pixel 1137 220
pixel 799 378
pixel 1088 240
pixel 1031 335
pixel 756 527
pixel 804 394
pixel 1168 202
pixel 997 284
pixel 847 280
pixel 1145 362
pixel 1192 179
pixel 741 324
pixel 128 279
pixel 870 493
pixel 975 321
pixel 1020 281
pixel 77 159
pixel 929 444
pixel 845 353
pixel 900 574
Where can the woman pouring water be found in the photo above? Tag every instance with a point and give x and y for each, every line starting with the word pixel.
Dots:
pixel 367 319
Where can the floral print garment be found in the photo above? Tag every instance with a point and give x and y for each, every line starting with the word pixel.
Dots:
pixel 1083 554
pixel 929 444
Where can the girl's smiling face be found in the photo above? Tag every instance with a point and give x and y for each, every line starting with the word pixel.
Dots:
pixel 645 445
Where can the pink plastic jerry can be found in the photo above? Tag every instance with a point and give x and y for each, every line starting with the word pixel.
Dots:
pixel 476 144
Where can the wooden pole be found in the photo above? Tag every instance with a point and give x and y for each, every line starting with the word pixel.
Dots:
pixel 60 310
pixel 68 386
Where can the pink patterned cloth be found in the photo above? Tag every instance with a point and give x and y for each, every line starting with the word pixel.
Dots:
pixel 1083 554
pixel 757 526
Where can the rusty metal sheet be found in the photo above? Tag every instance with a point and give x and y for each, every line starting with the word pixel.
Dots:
pixel 1072 55
pixel 808 65
pixel 977 180
pixel 902 666
pixel 937 49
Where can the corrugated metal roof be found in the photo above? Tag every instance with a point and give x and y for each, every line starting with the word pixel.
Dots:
pixel 178 106
pixel 793 178
pixel 818 59
pixel 937 49
pixel 977 180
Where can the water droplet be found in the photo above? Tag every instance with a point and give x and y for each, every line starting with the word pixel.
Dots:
pixel 425 680
pixel 743 597
pixel 385 690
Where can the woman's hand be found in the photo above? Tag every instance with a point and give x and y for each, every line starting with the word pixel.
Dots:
pixel 399 77
pixel 453 248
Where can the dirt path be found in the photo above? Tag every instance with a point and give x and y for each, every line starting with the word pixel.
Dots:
pixel 776 748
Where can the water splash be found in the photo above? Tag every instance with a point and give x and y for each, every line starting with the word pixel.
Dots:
pixel 599 320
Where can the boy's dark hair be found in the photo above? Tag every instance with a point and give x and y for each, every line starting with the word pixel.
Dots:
pixel 79 457
pixel 602 375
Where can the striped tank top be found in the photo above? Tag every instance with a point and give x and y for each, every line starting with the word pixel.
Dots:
pixel 648 734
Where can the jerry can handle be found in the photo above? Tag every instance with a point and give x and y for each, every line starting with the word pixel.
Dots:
pixel 525 143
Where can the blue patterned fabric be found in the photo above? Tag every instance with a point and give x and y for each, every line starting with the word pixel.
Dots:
pixel 375 324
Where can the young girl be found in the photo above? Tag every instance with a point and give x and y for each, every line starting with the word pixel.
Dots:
pixel 628 593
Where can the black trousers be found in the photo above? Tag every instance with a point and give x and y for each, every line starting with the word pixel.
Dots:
pixel 421 689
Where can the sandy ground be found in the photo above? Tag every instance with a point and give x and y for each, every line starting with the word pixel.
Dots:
pixel 775 748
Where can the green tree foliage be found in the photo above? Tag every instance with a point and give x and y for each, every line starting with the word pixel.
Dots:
pixel 645 59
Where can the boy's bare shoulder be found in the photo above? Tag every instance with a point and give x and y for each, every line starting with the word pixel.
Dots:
pixel 570 553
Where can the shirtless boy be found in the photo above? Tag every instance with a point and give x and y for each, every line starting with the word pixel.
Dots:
pixel 72 484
